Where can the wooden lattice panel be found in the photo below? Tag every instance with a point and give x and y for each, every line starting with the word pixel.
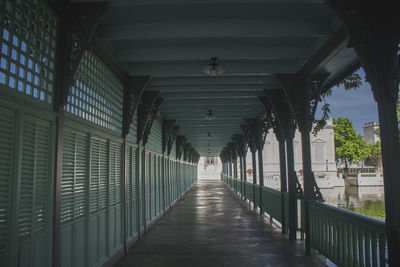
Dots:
pixel 28 46
pixel 97 94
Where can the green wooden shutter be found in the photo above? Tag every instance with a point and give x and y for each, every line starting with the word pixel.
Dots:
pixel 128 179
pixel 81 175
pixel 135 195
pixel 7 130
pixel 33 206
pixel 74 176
pixel 115 174
pixel 103 176
pixel 94 175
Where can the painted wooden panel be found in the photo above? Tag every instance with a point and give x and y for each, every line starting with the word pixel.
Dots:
pixel 66 245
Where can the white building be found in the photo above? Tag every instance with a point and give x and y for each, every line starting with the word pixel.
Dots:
pixel 209 168
pixel 322 156
pixel 370 129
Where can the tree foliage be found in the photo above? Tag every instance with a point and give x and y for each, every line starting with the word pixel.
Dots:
pixel 375 155
pixel 398 110
pixel 352 81
pixel 350 146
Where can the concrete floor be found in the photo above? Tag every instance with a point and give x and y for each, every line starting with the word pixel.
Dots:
pixel 211 226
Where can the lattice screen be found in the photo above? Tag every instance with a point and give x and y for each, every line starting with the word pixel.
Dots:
pixel 28 44
pixel 97 94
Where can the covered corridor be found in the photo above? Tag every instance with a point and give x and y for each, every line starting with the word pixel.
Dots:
pixel 107 106
pixel 212 226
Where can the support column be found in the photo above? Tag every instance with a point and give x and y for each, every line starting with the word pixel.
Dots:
pixel 284 126
pixel 303 95
pixel 283 176
pixel 375 36
pixel 292 190
pixel 254 164
pixel 235 169
pixel 230 167
pixel 258 134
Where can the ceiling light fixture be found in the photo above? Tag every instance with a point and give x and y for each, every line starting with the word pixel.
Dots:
pixel 213 68
pixel 210 115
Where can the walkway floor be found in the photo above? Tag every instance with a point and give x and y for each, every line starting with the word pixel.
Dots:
pixel 209 227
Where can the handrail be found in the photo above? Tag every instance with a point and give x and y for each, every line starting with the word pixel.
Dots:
pixel 345 237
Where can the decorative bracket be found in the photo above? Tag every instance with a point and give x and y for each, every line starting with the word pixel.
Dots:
pixel 172 139
pixel 280 114
pixel 167 132
pixel 271 118
pixel 133 91
pixel 147 113
pixel 366 22
pixel 241 144
pixel 257 133
pixel 232 151
pixel 249 138
pixel 303 97
pixel 180 143
pixel 186 151
pixel 81 24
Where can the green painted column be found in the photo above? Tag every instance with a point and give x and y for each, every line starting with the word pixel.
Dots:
pixel 253 157
pixel 260 175
pixel 283 179
pixel 292 190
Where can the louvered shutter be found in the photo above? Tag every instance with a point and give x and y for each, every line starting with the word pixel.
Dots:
pixel 7 130
pixel 35 178
pixel 81 175
pixel 67 180
pixel 135 195
pixel 115 173
pixel 74 176
pixel 94 175
pixel 103 176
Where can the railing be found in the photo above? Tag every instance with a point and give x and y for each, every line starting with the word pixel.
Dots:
pixel 271 199
pixel 345 237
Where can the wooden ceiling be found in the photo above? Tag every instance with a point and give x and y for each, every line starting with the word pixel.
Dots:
pixel 173 40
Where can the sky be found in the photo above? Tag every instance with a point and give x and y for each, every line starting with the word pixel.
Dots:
pixel 357 105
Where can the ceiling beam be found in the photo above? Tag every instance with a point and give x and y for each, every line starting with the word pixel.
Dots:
pixel 210 28
pixel 212 95
pixel 214 87
pixel 212 102
pixel 213 80
pixel 205 51
pixel 128 3
pixel 195 68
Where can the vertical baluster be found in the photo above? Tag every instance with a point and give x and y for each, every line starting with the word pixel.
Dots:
pixel 354 239
pixel 346 243
pixel 335 240
pixel 382 245
pixel 374 249
pixel 349 244
pixel 331 233
pixel 360 247
pixel 327 234
pixel 343 242
pixel 367 248
pixel 319 231
pixel 323 234
pixel 311 235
